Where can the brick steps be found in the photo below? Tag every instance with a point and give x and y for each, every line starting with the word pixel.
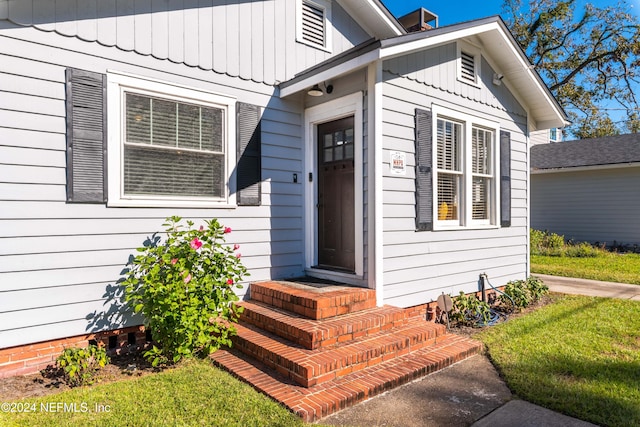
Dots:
pixel 319 347
pixel 311 367
pixel 322 303
pixel 324 399
pixel 313 334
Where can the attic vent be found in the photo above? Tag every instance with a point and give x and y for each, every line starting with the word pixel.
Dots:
pixel 313 27
pixel 467 67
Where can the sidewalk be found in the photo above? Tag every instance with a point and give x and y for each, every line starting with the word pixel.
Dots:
pixel 592 288
pixel 471 392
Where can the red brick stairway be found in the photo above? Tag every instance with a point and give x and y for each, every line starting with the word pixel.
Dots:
pixel 318 349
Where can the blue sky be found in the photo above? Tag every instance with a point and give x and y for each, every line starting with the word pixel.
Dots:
pixel 453 11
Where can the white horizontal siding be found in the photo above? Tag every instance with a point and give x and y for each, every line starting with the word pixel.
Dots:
pixel 593 206
pixel 419 266
pixel 253 40
pixel 75 252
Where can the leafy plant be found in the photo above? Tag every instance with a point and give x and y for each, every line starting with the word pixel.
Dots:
pixel 184 288
pixel 469 310
pixel 80 364
pixel 515 295
pixel 519 294
pixel 537 289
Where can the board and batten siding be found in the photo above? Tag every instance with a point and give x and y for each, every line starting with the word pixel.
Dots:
pixel 598 205
pixel 59 261
pixel 253 40
pixel 418 266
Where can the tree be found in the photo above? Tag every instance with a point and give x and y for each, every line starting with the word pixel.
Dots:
pixel 588 58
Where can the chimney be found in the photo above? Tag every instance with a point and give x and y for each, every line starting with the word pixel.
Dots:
pixel 419 20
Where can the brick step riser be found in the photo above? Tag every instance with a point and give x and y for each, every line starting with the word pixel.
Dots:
pixel 326 336
pixel 322 369
pixel 318 402
pixel 320 306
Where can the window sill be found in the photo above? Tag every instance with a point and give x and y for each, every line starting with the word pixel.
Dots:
pixel 159 203
pixel 466 227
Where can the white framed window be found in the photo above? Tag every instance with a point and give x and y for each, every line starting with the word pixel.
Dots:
pixel 314 23
pixel 468 63
pixel 466 187
pixel 168 145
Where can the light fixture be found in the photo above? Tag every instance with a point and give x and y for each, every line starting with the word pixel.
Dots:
pixel 497 79
pixel 315 91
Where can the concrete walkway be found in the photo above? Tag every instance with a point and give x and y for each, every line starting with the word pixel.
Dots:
pixel 471 392
pixel 592 288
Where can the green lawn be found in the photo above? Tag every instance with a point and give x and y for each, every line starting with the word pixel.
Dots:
pixel 194 394
pixel 610 267
pixel 579 356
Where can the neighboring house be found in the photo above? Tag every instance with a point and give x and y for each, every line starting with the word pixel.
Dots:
pixel 546 136
pixel 588 190
pixel 408 175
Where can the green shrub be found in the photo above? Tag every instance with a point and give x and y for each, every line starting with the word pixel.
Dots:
pixel 546 243
pixel 184 289
pixel 536 288
pixel 519 294
pixel 581 250
pixel 81 364
pixel 552 244
pixel 469 310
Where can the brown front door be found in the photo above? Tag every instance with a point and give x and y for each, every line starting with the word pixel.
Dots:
pixel 336 222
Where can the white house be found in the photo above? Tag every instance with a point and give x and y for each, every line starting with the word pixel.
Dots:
pixel 408 175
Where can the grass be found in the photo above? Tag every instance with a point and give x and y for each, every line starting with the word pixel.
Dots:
pixel 579 356
pixel 607 266
pixel 194 394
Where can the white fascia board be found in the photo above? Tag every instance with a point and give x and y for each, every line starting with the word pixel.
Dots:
pixel 393 50
pixel 384 18
pixel 544 92
pixel 331 73
pixel 399 49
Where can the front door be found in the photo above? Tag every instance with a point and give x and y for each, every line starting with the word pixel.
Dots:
pixel 336 218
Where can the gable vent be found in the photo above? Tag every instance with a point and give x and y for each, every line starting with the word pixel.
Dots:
pixel 467 67
pixel 313 28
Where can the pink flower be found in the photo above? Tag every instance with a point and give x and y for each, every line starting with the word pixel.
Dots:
pixel 174 261
pixel 236 247
pixel 188 278
pixel 201 228
pixel 227 230
pixel 195 244
pixel 238 255
pixel 229 282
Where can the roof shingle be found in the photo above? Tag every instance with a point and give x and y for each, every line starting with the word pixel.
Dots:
pixel 608 150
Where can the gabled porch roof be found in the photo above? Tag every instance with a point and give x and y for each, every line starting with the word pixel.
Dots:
pixel 490 33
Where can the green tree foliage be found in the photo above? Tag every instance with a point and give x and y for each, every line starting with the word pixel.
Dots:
pixel 589 58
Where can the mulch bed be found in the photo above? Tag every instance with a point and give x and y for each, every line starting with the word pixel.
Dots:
pixel 48 381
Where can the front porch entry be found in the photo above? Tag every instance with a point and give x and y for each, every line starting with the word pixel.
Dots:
pixel 334 221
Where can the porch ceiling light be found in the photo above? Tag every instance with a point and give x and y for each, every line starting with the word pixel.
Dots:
pixel 315 91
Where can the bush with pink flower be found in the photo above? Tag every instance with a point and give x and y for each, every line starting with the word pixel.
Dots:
pixel 184 288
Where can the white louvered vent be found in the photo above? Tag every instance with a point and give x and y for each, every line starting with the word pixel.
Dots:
pixel 467 67
pixel 313 24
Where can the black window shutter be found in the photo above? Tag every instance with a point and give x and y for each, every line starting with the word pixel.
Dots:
pixel 505 179
pixel 86 136
pixel 249 170
pixel 424 173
